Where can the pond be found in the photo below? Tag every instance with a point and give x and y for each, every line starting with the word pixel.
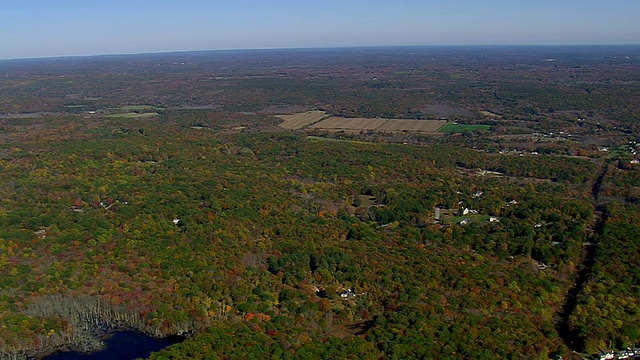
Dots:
pixel 122 345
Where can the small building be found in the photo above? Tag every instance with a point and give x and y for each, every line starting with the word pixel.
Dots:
pixel 606 355
pixel 347 293
pixel 539 264
pixel 624 354
pixel 494 219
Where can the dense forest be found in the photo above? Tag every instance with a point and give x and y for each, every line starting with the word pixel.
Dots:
pixel 157 193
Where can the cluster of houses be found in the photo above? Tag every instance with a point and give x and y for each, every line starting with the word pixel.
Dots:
pixel 463 211
pixel 467 211
pixel 622 354
pixel 347 293
pixel 344 294
pixel 631 147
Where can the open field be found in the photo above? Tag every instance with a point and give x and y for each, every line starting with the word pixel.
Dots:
pixel 421 126
pixel 356 125
pixel 340 123
pixel 299 121
pixel 452 128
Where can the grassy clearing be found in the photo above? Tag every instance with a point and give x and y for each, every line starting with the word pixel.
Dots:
pixel 456 128
pixel 367 201
pixel 490 114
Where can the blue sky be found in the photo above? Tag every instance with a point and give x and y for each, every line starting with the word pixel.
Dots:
pixel 36 28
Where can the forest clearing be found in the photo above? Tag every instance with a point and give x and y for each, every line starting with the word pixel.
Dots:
pixel 301 120
pixel 336 123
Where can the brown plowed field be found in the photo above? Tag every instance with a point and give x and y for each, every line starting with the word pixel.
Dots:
pixel 317 120
pixel 299 121
pixel 340 123
pixel 422 126
pixel 383 125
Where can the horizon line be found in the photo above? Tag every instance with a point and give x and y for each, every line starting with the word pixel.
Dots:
pixel 71 56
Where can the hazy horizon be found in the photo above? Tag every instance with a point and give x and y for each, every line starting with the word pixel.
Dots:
pixel 33 29
pixel 337 48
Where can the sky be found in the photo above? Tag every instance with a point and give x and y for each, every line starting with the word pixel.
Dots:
pixel 44 28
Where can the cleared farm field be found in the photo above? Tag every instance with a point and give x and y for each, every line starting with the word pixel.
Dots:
pixel 299 121
pixel 320 120
pixel 420 126
pixel 383 125
pixel 339 123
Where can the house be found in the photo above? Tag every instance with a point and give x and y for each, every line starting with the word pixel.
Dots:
pixel 347 293
pixel 494 219
pixel 477 194
pixel 464 222
pixel 176 221
pixel 624 354
pixel 513 202
pixel 465 211
pixel 540 265
pixel 606 355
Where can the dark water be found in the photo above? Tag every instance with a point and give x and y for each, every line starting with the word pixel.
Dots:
pixel 124 345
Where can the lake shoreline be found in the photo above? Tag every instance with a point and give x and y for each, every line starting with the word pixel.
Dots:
pixel 114 340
